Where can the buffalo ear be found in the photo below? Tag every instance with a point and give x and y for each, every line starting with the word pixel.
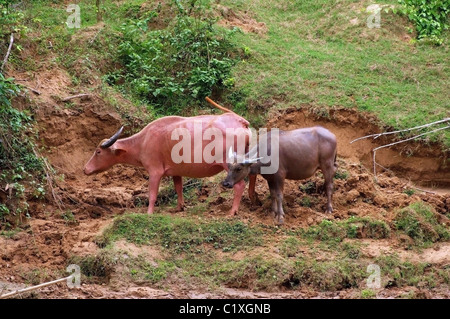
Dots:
pixel 118 151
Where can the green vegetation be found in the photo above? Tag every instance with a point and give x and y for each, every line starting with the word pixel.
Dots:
pixel 164 57
pixel 95 267
pixel 409 191
pixel 309 187
pixel 319 55
pixel 401 274
pixel 183 234
pixel 419 222
pixel 168 195
pixel 173 68
pixel 219 252
pixel 142 270
pixel 314 55
pixel 342 174
pixel 368 294
pixel 330 275
pixel 353 227
pixel 21 170
pixel 429 17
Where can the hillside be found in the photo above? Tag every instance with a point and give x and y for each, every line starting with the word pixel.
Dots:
pixel 284 64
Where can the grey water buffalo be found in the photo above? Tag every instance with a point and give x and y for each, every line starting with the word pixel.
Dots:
pixel 157 148
pixel 301 153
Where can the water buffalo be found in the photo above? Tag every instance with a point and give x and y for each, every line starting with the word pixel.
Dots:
pixel 153 148
pixel 301 153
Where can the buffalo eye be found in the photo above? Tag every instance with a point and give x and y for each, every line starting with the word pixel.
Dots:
pixel 97 152
pixel 238 169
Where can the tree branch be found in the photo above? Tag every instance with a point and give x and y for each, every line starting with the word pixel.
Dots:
pixel 408 139
pixel 74 97
pixel 375 136
pixel 11 41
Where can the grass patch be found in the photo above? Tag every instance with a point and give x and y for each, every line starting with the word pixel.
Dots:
pixel 97 267
pixel 314 56
pixel 329 275
pixel 396 273
pixel 341 174
pixel 290 247
pixel 419 222
pixel 183 234
pixel 353 227
pixel 219 253
pixel 368 294
pixel 143 271
pixel 258 272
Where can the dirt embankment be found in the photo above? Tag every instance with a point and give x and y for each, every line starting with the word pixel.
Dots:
pixel 420 163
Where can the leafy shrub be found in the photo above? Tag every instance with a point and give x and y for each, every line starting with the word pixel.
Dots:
pixel 19 166
pixel 10 20
pixel 429 16
pixel 171 68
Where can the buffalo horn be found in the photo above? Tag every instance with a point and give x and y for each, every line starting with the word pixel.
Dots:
pixel 251 160
pixel 113 139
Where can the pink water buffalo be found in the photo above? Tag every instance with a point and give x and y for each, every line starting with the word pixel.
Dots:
pixel 157 148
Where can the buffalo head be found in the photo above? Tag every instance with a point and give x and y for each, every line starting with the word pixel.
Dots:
pixel 238 168
pixel 106 155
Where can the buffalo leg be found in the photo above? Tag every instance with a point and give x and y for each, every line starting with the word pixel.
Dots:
pixel 273 196
pixel 153 186
pixel 328 173
pixel 251 190
pixel 178 182
pixel 279 185
pixel 238 191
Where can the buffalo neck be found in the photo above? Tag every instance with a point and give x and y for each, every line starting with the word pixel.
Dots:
pixel 132 147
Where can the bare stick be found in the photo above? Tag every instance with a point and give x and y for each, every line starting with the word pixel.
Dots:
pixel 11 41
pixel 411 138
pixel 34 90
pixel 74 97
pixel 49 180
pixel 423 190
pixel 385 168
pixel 16 292
pixel 375 136
pixel 408 139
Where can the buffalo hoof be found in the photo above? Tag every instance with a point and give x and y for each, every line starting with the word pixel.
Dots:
pixel 255 201
pixel 175 210
pixel 280 221
pixel 232 213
